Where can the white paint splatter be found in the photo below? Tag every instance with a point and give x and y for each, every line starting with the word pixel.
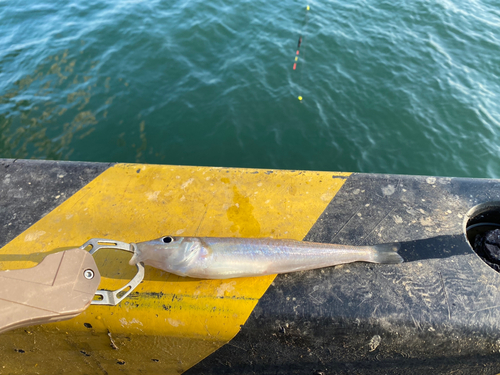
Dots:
pixel 398 219
pixel 327 197
pixel 374 342
pixel 426 221
pixel 388 190
pixel 225 288
pixel 431 180
pixel 187 183
pixel 175 322
pixel 124 322
pixel 152 195
pixel 33 236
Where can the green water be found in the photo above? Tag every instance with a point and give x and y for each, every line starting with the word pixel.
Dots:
pixel 406 87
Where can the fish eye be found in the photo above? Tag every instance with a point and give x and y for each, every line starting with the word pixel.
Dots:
pixel 167 239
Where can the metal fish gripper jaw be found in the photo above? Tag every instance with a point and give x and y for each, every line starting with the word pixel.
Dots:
pixel 110 297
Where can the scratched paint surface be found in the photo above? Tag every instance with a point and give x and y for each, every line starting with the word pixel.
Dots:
pixel 178 320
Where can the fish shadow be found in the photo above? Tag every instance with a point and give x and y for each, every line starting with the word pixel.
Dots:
pixel 435 248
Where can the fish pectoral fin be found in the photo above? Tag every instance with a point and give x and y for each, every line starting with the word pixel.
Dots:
pixel 205 252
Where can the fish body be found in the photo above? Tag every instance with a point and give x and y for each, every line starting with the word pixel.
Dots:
pixel 226 257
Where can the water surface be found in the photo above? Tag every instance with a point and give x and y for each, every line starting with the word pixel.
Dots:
pixel 406 87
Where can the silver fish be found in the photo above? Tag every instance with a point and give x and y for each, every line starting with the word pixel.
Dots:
pixel 224 257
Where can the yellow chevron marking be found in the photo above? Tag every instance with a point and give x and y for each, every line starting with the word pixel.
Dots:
pixel 171 323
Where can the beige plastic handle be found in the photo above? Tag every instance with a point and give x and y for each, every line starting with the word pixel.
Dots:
pixel 59 288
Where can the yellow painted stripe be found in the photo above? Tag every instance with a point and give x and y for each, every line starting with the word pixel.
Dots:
pixel 178 320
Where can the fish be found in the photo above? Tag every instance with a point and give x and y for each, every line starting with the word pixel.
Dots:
pixel 228 257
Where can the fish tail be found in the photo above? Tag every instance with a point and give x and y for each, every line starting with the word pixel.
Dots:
pixel 386 253
pixel 136 258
